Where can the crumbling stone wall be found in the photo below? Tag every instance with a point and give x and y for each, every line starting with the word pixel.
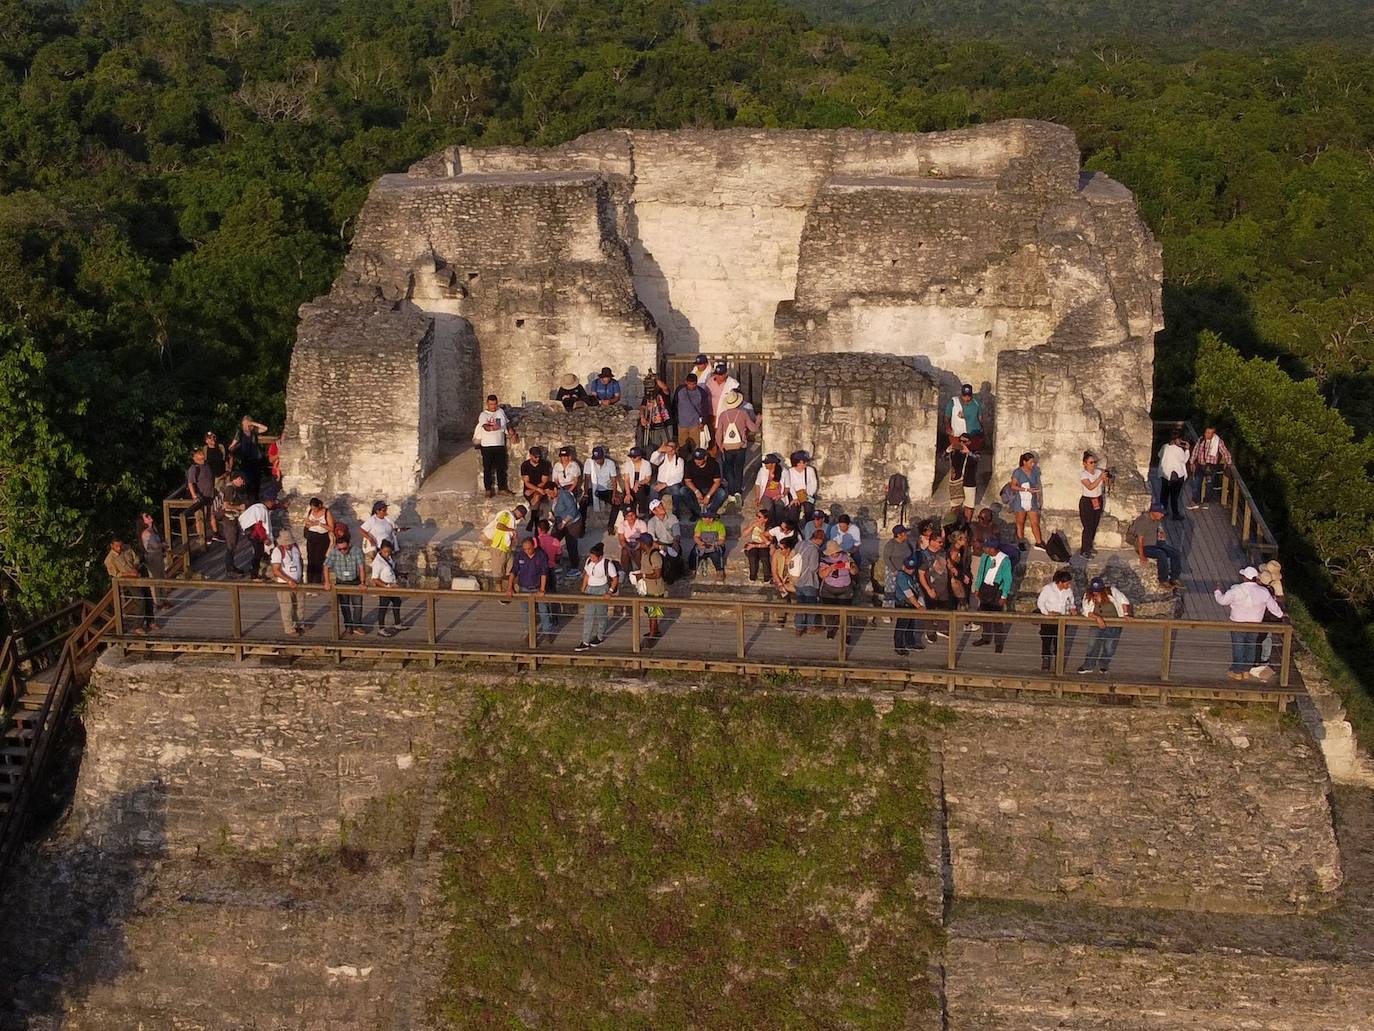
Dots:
pixel 551 427
pixel 1172 809
pixel 862 416
pixel 362 402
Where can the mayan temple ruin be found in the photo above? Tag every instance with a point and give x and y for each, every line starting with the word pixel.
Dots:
pixel 983 255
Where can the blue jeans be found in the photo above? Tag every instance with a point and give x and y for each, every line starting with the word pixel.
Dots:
pixel 1211 475
pixel 732 469
pixel 1102 644
pixel 808 596
pixel 1170 560
pixel 1244 650
pixel 688 498
pixel 543 613
pixel 595 617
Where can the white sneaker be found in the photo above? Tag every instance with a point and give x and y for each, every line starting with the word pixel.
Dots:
pixel 973 628
pixel 941 633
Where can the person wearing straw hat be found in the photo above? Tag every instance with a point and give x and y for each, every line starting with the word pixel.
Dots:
pixel 1271 578
pixel 288 571
pixel 1247 602
pixel 571 393
pixel 733 426
pixel 651 572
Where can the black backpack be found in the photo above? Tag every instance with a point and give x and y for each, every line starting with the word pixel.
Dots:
pixel 897 495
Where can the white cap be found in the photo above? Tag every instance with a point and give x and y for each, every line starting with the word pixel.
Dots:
pixel 1250 573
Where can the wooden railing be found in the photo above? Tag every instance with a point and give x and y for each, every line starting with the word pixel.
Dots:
pixel 78 643
pixel 727 634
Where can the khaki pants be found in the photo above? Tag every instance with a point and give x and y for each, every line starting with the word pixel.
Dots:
pixel 500 568
pixel 687 436
pixel 290 604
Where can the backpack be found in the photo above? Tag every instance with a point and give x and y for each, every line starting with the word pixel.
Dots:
pixel 896 496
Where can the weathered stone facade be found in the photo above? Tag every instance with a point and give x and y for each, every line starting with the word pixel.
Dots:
pixel 863 417
pixel 950 249
pixel 549 426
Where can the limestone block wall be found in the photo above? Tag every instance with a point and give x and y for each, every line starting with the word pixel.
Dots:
pixel 549 426
pixel 1172 809
pixel 361 401
pixel 862 416
pixel 1061 404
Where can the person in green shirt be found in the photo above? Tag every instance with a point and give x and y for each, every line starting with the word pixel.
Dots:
pixel 343 567
pixel 709 536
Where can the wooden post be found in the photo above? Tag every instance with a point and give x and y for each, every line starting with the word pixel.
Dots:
pixel 739 630
pixel 1245 531
pixel 432 630
pixel 844 633
pixel 118 608
pixel 532 626
pixel 334 619
pixel 636 634
pixel 1287 655
pixel 1059 647
pixel 1167 652
pixel 952 653
pixel 167 528
pixel 186 541
pixel 236 610
pixel 1235 504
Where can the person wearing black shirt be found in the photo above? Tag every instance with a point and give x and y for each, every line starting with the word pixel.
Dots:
pixel 572 394
pixel 963 477
pixel 536 476
pixel 215 457
pixel 704 494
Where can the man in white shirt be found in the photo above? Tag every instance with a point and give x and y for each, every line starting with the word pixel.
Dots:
pixel 255 523
pixel 665 528
pixel 377 528
pixel 1103 602
pixel 669 472
pixel 600 473
pixel 288 572
pixel 1056 599
pixel 567 473
pixel 492 430
pixel 1247 601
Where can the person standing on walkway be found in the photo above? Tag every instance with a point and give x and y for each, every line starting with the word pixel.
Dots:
pixel 154 550
pixel 803 569
pixel 1248 602
pixel 655 587
pixel 600 577
pixel 255 522
pixel 734 424
pixel 500 534
pixel 906 632
pixel 1210 457
pixel 1173 474
pixel 691 412
pixel 935 590
pixel 122 564
pixel 231 500
pixel 992 583
pixel 215 456
pixel 377 528
pixel 891 557
pixel 530 572
pixel 964 416
pixel 200 485
pixel 1093 480
pixel 1056 599
pixel 963 477
pixel 1102 603
pixel 288 570
pixel 383 576
pixel 490 435
pixel 1027 498
pixel 246 454
pixel 1151 542
pixel 343 567
pixel 319 532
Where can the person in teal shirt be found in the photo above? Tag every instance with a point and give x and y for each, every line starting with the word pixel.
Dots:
pixel 992 585
pixel 963 414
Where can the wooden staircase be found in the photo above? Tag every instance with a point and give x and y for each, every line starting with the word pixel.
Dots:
pixel 42 670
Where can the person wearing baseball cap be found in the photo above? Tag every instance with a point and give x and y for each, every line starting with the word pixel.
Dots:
pixel 893 553
pixel 1246 602
pixel 636 478
pixel 377 528
pixel 655 587
pixel 1151 542
pixel 606 388
pixel 718 384
pixel 704 495
pixel 992 584
pixel 906 631
pixel 599 477
pixel 963 414
pixel 691 411
pixel 768 491
pixel 1103 602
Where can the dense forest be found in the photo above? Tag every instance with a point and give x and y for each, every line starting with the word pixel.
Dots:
pixel 1061 25
pixel 175 179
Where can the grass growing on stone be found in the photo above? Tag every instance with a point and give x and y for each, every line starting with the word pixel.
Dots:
pixel 709 860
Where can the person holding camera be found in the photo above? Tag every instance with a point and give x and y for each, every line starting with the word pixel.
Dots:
pixel 1094 498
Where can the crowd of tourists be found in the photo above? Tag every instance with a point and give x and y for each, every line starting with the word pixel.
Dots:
pixel 658 514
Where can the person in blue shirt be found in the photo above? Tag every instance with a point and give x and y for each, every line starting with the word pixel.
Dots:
pixel 963 414
pixel 1027 499
pixel 606 388
pixel 906 633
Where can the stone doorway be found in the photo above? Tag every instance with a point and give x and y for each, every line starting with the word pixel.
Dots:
pixel 750 368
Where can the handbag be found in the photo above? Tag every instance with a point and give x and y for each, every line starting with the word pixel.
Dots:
pixel 990 596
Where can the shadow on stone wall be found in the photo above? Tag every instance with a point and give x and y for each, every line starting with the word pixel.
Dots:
pixel 66 907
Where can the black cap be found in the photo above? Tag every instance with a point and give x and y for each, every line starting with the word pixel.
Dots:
pixel 720 366
pixel 699 453
pixel 967 388
pixel 564 451
pixel 491 397
pixel 636 452
pixel 700 359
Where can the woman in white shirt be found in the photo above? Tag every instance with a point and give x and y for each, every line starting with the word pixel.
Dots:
pixel 636 475
pixel 800 487
pixel 384 575
pixel 669 469
pixel 600 577
pixel 1173 474
pixel 1093 480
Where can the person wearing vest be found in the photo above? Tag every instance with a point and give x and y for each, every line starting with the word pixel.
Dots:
pixel 501 537
pixel 288 571
pixel 992 584
pixel 655 587
pixel 600 577
pixel 733 426
pixel 964 415
pixel 1103 603
pixel 122 564
pixel 906 633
